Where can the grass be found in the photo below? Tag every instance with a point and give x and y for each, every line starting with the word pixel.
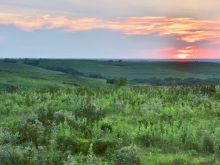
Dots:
pixel 22 67
pixel 86 121
pixel 17 74
pixel 136 125
pixel 132 69
pixel 21 75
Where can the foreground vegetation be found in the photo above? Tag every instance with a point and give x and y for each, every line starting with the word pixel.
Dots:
pixel 111 126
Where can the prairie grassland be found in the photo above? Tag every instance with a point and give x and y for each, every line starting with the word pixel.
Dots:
pixel 138 69
pixel 111 126
pixel 26 76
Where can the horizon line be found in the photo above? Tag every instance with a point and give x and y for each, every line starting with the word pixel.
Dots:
pixel 116 58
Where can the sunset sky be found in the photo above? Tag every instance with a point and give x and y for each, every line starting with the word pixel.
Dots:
pixel 110 29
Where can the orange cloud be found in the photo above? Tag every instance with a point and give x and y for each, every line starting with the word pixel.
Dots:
pixel 46 22
pixel 186 29
pixel 69 25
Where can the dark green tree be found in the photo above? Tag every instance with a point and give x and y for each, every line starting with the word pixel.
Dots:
pixel 122 81
pixel 118 82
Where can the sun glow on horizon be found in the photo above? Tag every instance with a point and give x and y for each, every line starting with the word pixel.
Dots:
pixel 182 56
pixel 186 52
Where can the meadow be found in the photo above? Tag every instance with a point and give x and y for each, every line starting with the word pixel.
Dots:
pixel 111 126
pixel 137 69
pixel 31 73
pixel 27 76
pixel 53 114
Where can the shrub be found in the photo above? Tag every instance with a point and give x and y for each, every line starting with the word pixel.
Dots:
pixel 127 155
pixel 122 81
pixel 101 145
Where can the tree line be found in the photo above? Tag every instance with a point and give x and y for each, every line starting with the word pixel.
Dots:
pixel 176 81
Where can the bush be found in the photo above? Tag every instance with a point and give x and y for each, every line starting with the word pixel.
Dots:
pixel 101 145
pixel 127 155
pixel 122 81
pixel 118 82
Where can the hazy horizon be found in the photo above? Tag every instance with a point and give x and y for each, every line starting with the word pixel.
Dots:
pixel 132 59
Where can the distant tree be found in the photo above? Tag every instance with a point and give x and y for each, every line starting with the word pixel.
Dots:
pixel 31 62
pixel 110 81
pixel 119 60
pixel 96 75
pixel 36 62
pixel 110 61
pixel 122 81
pixel 7 60
pixel 118 82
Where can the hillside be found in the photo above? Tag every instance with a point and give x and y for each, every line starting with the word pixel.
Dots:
pixel 93 73
pixel 132 69
pixel 27 76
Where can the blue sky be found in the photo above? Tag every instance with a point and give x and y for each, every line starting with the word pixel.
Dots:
pixel 109 29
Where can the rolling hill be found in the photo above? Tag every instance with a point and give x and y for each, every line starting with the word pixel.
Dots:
pixel 93 73
pixel 27 76
pixel 137 69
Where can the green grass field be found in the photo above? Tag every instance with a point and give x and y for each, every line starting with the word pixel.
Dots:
pixel 85 121
pixel 111 126
pixel 59 73
pixel 67 73
pixel 132 69
pixel 22 75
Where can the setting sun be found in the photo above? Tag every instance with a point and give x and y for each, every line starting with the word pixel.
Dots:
pixel 182 56
pixel 185 52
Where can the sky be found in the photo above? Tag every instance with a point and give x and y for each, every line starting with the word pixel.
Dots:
pixel 158 29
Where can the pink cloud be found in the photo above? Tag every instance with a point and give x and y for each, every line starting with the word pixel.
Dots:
pixel 164 49
pixel 186 29
pixel 68 25
pixel 47 22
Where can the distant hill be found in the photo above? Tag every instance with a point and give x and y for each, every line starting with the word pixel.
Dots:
pixel 26 76
pixel 93 73
pixel 137 69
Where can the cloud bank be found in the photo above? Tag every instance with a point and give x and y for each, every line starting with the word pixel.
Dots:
pixel 185 29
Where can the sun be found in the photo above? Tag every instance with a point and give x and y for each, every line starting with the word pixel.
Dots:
pixel 182 56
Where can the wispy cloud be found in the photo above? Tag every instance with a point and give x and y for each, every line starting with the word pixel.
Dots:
pixel 185 29
pixel 164 49
pixel 29 23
